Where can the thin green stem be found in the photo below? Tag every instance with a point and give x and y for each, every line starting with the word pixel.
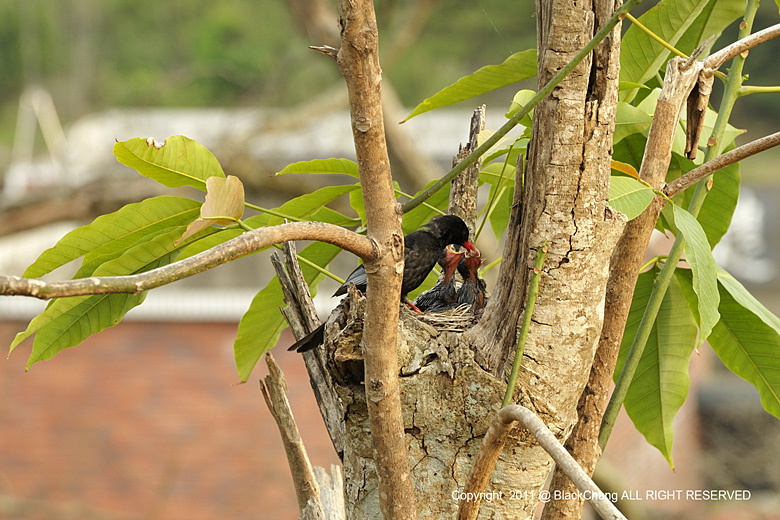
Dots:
pixel 533 291
pixel 655 37
pixel 515 119
pixel 272 212
pixel 756 89
pixel 497 194
pixel 311 264
pixel 730 95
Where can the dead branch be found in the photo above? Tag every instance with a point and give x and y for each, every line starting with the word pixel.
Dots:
pixel 221 254
pixel 275 394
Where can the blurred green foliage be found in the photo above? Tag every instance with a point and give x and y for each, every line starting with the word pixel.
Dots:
pixel 95 54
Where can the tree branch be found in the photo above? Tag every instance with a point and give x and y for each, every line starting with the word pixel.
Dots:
pixel 217 255
pixel 275 395
pixel 737 154
pixel 358 61
pixel 740 46
pixel 493 443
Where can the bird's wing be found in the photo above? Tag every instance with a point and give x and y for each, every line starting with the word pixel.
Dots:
pixel 358 277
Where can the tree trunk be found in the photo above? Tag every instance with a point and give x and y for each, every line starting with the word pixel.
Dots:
pixel 449 398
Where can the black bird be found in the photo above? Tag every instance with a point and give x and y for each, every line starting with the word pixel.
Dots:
pixel 443 295
pixel 422 248
pixel 472 292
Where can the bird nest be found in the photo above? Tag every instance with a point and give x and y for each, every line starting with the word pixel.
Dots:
pixel 458 319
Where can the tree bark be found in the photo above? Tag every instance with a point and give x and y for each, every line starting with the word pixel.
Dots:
pixel 358 60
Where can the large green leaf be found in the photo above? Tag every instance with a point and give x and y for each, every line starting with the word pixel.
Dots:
pixel 630 120
pixel 323 166
pixel 705 271
pixel 629 196
pixel 179 161
pixel 517 67
pixel 66 322
pixel 630 150
pixel 641 56
pixel 716 16
pixel 718 209
pixel 660 384
pixel 112 234
pixel 262 323
pixel 747 340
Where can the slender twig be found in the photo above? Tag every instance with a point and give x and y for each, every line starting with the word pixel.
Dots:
pixel 220 254
pixel 741 45
pixel 533 290
pixel 705 170
pixel 515 119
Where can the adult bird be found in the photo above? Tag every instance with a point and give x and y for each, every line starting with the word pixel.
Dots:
pixel 472 292
pixel 443 295
pixel 422 249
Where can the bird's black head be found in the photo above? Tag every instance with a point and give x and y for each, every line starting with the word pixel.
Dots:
pixel 451 230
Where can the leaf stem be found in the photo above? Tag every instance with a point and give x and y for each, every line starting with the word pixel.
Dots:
pixel 655 37
pixel 515 119
pixel 533 291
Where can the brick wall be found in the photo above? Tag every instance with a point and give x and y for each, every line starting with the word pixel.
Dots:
pixel 145 420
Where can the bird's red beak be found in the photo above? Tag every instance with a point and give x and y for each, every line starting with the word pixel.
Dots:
pixel 468 245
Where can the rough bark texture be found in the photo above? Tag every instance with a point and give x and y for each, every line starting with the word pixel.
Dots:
pixel 448 402
pixel 563 202
pixel 626 261
pixel 358 60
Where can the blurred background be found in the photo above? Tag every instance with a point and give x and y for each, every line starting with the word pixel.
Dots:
pixel 146 420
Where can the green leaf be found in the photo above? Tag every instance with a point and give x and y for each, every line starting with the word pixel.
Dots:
pixel 179 161
pixel 641 56
pixel 743 297
pixel 630 120
pixel 718 209
pixel 749 347
pixel 660 384
pixel 66 322
pixel 262 323
pixel 323 166
pixel 114 233
pixel 629 196
pixel 714 18
pixel 521 99
pixel 705 271
pixel 499 213
pixel 630 150
pixel 423 213
pixel 517 67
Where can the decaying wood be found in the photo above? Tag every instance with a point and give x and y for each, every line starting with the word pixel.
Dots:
pixel 302 317
pixel 463 190
pixel 275 394
pixel 448 403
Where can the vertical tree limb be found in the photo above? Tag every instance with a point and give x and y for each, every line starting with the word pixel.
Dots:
pixel 358 60
pixel 624 269
pixel 275 394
